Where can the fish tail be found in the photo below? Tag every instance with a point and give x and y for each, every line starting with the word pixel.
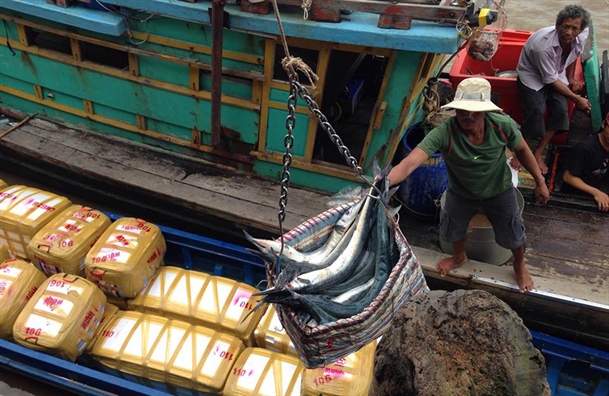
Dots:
pixel 264 255
pixel 259 304
pixel 270 291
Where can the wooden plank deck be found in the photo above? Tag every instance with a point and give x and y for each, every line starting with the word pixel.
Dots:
pixel 567 254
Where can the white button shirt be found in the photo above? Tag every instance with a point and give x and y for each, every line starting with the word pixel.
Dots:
pixel 541 61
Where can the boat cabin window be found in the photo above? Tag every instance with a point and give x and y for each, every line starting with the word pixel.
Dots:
pixel 105 56
pixel 309 56
pixel 49 41
pixel 353 82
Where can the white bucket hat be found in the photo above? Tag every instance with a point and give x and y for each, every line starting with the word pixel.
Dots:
pixel 473 94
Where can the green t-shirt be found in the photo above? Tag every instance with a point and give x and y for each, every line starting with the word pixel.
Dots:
pixel 475 172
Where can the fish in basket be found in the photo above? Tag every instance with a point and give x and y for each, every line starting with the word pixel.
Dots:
pixel 342 275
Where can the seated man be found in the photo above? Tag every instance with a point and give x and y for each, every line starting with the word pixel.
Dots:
pixel 587 168
pixel 546 78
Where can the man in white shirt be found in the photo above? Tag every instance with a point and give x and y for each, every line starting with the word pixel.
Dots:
pixel 546 77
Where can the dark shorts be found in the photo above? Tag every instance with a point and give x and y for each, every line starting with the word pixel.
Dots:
pixel 534 105
pixel 502 211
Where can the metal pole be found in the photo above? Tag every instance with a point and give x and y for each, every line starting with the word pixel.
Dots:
pixel 217 25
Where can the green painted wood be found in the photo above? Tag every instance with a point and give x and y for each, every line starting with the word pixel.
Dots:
pixel 591 68
pixel 114 113
pixel 276 132
pixel 281 96
pixel 304 178
pixel 163 70
pixel 15 83
pixel 154 103
pixel 231 64
pixel 66 118
pixel 201 34
pixel 10 33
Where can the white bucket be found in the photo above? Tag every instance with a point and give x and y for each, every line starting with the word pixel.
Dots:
pixel 481 245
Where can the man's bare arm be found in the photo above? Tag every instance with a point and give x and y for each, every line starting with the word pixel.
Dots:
pixel 526 158
pixel 564 90
pixel 601 198
pixel 402 170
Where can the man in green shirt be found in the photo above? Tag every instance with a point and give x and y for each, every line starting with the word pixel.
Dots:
pixel 473 144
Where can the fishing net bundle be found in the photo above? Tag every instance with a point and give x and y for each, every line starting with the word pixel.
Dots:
pixel 322 344
pixel 484 43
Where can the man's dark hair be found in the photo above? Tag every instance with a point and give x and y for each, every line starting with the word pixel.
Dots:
pixel 573 11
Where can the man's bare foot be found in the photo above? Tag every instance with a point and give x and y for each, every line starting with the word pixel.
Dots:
pixel 446 265
pixel 525 282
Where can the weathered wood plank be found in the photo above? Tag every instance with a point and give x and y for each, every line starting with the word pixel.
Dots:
pixel 230 183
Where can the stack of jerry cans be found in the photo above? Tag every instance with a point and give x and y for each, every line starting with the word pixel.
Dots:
pixel 19 280
pixel 23 212
pixel 261 372
pixel 167 351
pixel 62 317
pixel 350 375
pixel 215 302
pixel 62 244
pixel 125 257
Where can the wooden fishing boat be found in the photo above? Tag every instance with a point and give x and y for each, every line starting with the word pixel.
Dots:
pixel 123 107
pixel 573 369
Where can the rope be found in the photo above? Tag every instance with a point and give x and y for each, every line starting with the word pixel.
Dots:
pixel 432 100
pixel 306 6
pixel 289 63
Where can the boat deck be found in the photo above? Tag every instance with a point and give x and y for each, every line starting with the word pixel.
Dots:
pixel 567 252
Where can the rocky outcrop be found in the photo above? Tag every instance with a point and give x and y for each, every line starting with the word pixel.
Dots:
pixel 459 343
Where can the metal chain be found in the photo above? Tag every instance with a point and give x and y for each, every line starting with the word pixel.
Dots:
pixel 325 124
pixel 288 142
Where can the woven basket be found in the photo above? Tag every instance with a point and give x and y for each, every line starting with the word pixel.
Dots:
pixel 318 346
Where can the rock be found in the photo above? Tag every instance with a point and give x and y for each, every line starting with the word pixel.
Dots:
pixel 459 343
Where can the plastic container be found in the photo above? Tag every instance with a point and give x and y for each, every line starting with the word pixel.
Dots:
pixel 3 184
pixel 219 303
pixel 62 244
pixel 351 375
pixel 420 191
pixel 19 280
pixel 126 257
pixel 165 350
pixel 62 316
pixel 516 35
pixel 270 334
pixel 23 212
pixel 260 372
pixel 503 89
pixel 481 245
pixel 109 313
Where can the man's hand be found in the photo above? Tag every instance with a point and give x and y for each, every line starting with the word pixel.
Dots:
pixel 576 85
pixel 602 200
pixel 582 103
pixel 515 163
pixel 542 195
